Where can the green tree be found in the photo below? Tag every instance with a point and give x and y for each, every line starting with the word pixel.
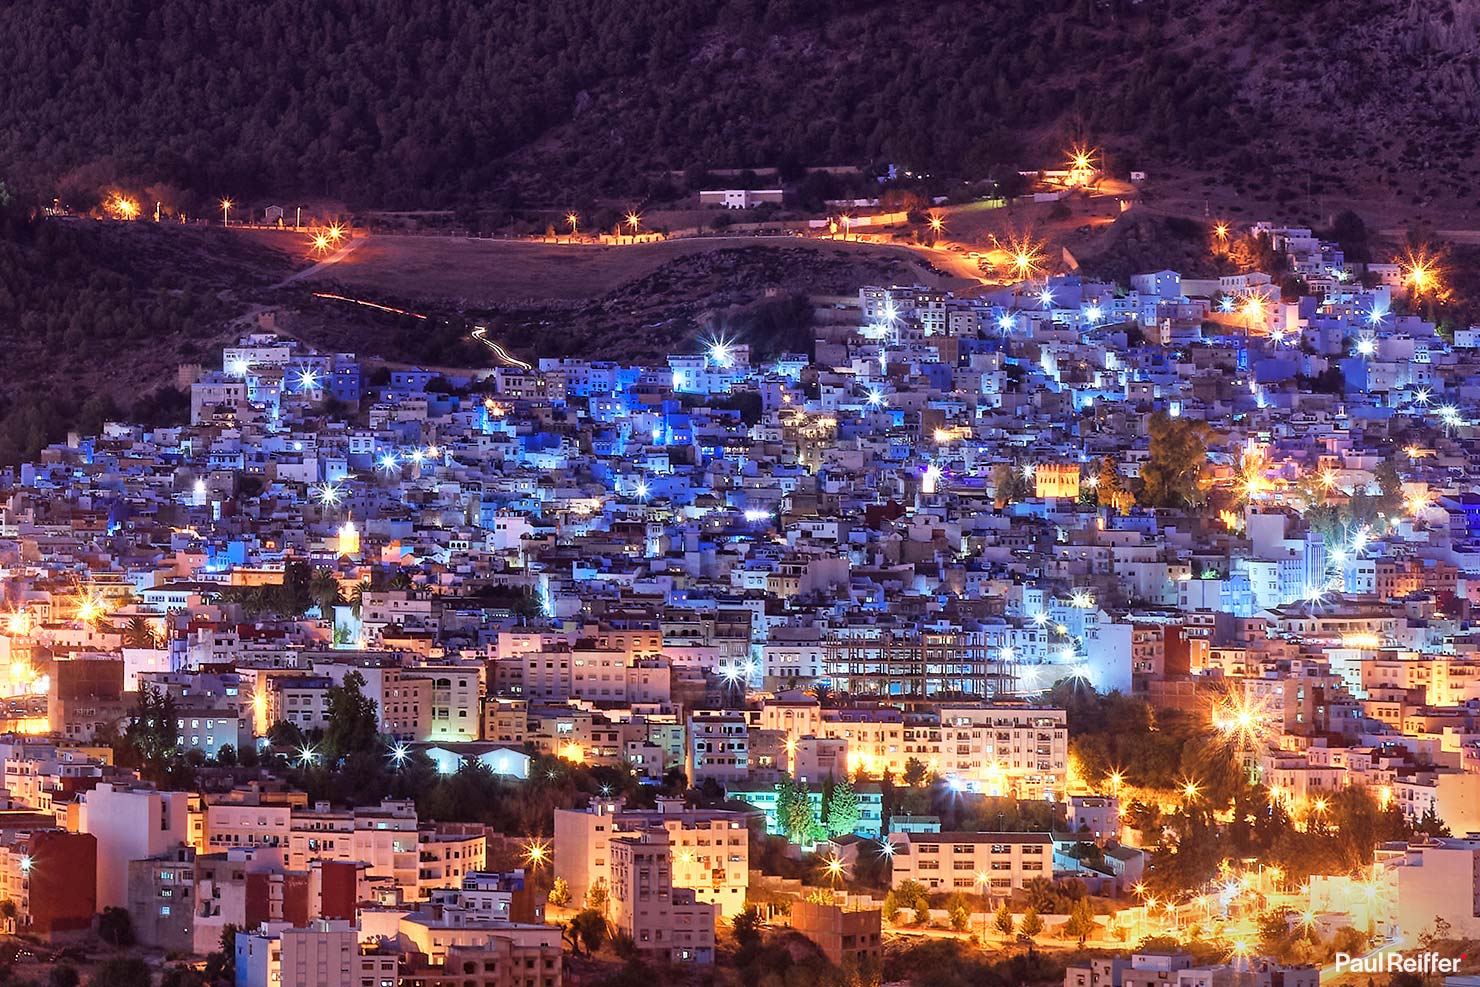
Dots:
pixel 1274 930
pixel 1003 921
pixel 323 588
pixel 597 896
pixel 588 928
pixel 794 814
pixel 890 911
pixel 353 725
pixel 1009 484
pixel 916 772
pixel 959 912
pixel 842 809
pixel 746 927
pixel 220 965
pixel 295 595
pixel 1109 487
pixel 152 737
pixel 180 975
pixel 907 894
pixel 115 927
pixel 919 902
pixel 357 598
pixel 560 895
pixel 138 634
pixel 1031 925
pixel 1172 473
pixel 1081 924
pixel 1389 487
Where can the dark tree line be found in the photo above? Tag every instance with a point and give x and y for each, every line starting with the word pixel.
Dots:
pixel 74 305
pixel 439 103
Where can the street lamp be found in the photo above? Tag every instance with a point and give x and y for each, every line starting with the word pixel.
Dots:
pixel 834 867
pixel 571 218
pixel 226 212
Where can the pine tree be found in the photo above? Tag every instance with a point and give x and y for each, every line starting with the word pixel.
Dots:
pixel 959 912
pixel 1081 924
pixel 1003 922
pixel 843 810
pixel 1107 483
pixel 794 815
pixel 1031 925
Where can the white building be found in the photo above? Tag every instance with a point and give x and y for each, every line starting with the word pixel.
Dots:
pixel 710 848
pixel 324 954
pixel 660 918
pixel 129 824
pixel 989 863
pixel 740 198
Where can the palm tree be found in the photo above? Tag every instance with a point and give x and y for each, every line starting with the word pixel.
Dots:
pixel 138 634
pixel 822 692
pixel 323 588
pixel 357 598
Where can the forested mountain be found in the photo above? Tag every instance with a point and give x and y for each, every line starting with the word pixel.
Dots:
pixel 453 102
pixel 93 315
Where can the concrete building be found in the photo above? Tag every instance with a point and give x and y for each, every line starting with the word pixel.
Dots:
pixel 161 900
pixel 662 919
pixel 129 824
pixel 499 961
pixel 991 863
pixel 849 932
pixel 536 948
pixel 1098 815
pixel 51 875
pixel 740 198
pixel 322 954
pixel 711 848
pixel 719 747
pixel 1438 879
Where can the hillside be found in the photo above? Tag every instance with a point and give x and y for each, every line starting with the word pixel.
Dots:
pixel 629 304
pixel 96 317
pixel 451 103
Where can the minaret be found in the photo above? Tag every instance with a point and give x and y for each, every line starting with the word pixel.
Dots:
pixel 349 538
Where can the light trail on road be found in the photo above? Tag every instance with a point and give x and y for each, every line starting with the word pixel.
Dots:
pixel 368 304
pixel 480 333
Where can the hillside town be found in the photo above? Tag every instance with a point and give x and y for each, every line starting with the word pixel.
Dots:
pixel 1131 624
